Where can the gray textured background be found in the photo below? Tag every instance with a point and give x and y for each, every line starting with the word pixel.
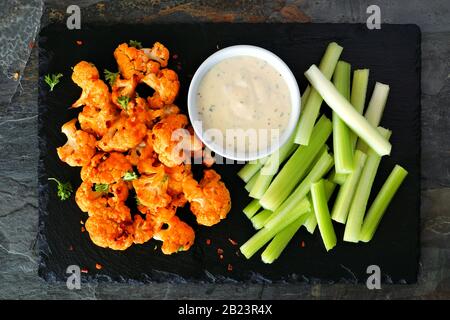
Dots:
pixel 19 149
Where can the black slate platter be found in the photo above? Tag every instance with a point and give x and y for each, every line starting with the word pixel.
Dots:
pixel 393 56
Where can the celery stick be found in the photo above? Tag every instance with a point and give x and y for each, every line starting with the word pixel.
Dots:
pixel 270 168
pixel 311 223
pixel 264 235
pixel 359 202
pixel 250 169
pixel 281 240
pixel 375 109
pixel 311 107
pixel 259 219
pixel 305 95
pixel 251 183
pixel 381 203
pixel 251 209
pixel 323 215
pixel 322 166
pixel 347 190
pixel 343 151
pixel 346 112
pixel 338 178
pixel 358 96
pixel 296 167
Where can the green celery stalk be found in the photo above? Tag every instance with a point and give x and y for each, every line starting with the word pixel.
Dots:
pixel 270 168
pixel 259 219
pixel 322 166
pixel 311 223
pixel 251 183
pixel 346 112
pixel 358 96
pixel 338 178
pixel 381 202
pixel 251 209
pixel 362 193
pixel 250 169
pixel 281 240
pixel 375 109
pixel 296 167
pixel 311 107
pixel 343 151
pixel 347 190
pixel 305 94
pixel 323 215
pixel 264 235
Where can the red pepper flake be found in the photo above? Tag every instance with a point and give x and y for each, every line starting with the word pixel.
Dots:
pixel 221 257
pixel 31 45
pixel 175 56
pixel 219 251
pixel 234 243
pixel 98 266
pixel 79 42
pixel 302 244
pixel 84 270
pixel 83 229
pixel 208 242
pixel 230 267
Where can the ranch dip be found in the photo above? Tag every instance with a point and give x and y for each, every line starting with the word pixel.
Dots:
pixel 244 92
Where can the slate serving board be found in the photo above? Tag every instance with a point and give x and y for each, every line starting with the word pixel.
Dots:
pixel 393 56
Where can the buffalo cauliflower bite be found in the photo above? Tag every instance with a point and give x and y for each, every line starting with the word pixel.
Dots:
pixel 79 148
pixel 108 233
pixel 143 228
pixel 176 236
pixel 158 53
pixel 165 83
pixel 131 61
pixel 109 204
pixel 209 200
pixel 106 168
pixel 97 121
pixel 94 91
pixel 151 190
pixel 172 142
pixel 126 133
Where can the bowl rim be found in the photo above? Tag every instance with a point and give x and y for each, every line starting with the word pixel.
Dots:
pixel 257 52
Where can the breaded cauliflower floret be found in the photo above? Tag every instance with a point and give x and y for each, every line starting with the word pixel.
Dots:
pixel 106 168
pixel 210 199
pixel 107 233
pixel 165 83
pixel 80 145
pixel 178 236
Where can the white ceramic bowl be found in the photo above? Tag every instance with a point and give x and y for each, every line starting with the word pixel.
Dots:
pixel 274 61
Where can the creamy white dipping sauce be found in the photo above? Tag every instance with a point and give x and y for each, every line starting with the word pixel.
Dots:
pixel 244 92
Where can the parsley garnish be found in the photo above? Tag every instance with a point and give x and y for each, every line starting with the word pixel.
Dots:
pixel 110 76
pixel 52 80
pixel 101 187
pixel 123 102
pixel 136 44
pixel 64 189
pixel 130 176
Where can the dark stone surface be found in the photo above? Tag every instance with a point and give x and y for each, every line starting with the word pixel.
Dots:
pixel 19 153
